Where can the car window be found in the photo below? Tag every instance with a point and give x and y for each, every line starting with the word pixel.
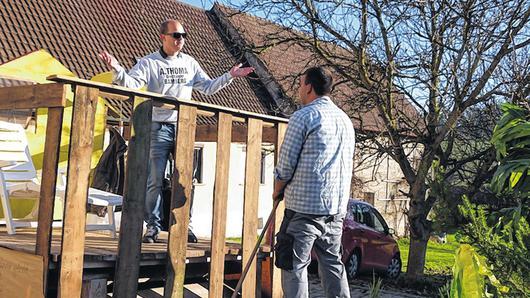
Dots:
pixel 379 222
pixel 364 215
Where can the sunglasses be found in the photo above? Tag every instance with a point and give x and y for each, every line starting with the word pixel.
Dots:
pixel 178 35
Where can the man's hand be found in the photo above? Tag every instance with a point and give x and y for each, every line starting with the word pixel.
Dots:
pixel 238 71
pixel 277 196
pixel 109 59
pixel 279 187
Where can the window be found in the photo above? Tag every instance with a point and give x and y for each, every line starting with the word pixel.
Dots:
pixel 197 164
pixel 364 215
pixel 262 172
pixel 378 222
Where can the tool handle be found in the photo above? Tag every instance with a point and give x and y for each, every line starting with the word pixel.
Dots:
pixel 247 267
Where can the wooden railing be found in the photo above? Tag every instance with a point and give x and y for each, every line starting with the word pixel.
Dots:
pixel 259 128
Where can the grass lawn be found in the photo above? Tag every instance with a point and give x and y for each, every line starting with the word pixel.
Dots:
pixel 440 257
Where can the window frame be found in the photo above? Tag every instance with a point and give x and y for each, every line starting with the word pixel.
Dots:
pixel 198 170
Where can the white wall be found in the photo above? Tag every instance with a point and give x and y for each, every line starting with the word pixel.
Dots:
pixel 382 176
pixel 201 221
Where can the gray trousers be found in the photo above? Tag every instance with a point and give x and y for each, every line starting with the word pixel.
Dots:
pixel 324 234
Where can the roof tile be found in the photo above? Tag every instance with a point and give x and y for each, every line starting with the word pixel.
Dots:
pixel 75 31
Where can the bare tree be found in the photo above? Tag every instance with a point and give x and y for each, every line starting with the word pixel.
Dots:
pixel 419 65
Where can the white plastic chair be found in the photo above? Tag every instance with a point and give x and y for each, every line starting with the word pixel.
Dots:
pixel 18 179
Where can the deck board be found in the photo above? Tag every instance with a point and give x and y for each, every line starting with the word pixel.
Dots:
pixel 101 247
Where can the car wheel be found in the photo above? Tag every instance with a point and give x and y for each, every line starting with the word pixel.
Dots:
pixel 394 268
pixel 353 265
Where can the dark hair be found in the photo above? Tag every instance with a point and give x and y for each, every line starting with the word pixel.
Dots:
pixel 320 79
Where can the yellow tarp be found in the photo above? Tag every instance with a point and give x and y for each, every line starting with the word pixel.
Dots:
pixel 36 67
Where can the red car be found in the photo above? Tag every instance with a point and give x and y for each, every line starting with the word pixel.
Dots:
pixel 367 242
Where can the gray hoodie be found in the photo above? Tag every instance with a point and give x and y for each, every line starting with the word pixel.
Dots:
pixel 174 76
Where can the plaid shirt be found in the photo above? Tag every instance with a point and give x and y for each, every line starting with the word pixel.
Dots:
pixel 316 159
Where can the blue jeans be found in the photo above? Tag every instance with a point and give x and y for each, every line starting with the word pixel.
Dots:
pixel 162 143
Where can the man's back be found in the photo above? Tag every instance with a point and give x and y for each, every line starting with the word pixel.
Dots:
pixel 323 167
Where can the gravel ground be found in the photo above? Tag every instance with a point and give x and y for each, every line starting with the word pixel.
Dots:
pixel 358 288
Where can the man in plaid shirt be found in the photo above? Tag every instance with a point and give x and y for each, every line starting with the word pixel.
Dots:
pixel 313 175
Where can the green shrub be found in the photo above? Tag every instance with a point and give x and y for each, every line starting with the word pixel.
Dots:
pixel 504 244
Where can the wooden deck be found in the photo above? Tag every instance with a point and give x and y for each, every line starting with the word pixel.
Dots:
pixel 101 252
pixel 100 247
pixel 65 260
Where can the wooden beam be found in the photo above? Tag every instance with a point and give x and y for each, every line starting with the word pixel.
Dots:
pixel 180 208
pixel 208 133
pixel 130 243
pixel 276 291
pixel 94 288
pixel 48 186
pixel 250 205
pixel 163 99
pixel 33 96
pixel 81 142
pixel 114 96
pixel 219 205
pixel 20 274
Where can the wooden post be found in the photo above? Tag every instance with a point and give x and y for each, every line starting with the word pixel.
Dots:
pixel 250 205
pixel 180 210
pixel 73 242
pixel 130 243
pixel 50 162
pixel 219 205
pixel 276 273
pixel 94 288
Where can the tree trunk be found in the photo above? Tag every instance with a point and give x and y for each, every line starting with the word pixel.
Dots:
pixel 420 230
pixel 416 262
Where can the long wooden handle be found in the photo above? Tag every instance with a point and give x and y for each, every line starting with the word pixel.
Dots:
pixel 247 267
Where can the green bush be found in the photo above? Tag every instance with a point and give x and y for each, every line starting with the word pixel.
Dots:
pixel 502 236
pixel 504 244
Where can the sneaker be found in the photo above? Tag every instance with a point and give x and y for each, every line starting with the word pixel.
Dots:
pixel 151 235
pixel 191 237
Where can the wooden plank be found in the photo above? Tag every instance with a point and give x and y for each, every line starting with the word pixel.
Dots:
pixel 81 142
pixel 220 204
pixel 20 274
pixel 127 265
pixel 276 284
pixel 182 183
pixel 33 96
pixel 100 248
pixel 50 164
pixel 114 96
pixel 250 205
pixel 208 133
pixel 94 288
pixel 159 98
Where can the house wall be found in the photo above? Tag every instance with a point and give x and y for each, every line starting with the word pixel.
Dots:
pixel 384 185
pixel 201 220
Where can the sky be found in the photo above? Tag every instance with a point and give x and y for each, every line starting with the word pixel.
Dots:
pixel 205 4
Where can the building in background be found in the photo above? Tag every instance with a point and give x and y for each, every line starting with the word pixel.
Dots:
pixel 73 32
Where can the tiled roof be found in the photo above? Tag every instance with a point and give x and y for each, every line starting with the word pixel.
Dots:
pixel 75 31
pixel 285 61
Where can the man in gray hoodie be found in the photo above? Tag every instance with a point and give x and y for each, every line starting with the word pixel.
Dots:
pixel 170 72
